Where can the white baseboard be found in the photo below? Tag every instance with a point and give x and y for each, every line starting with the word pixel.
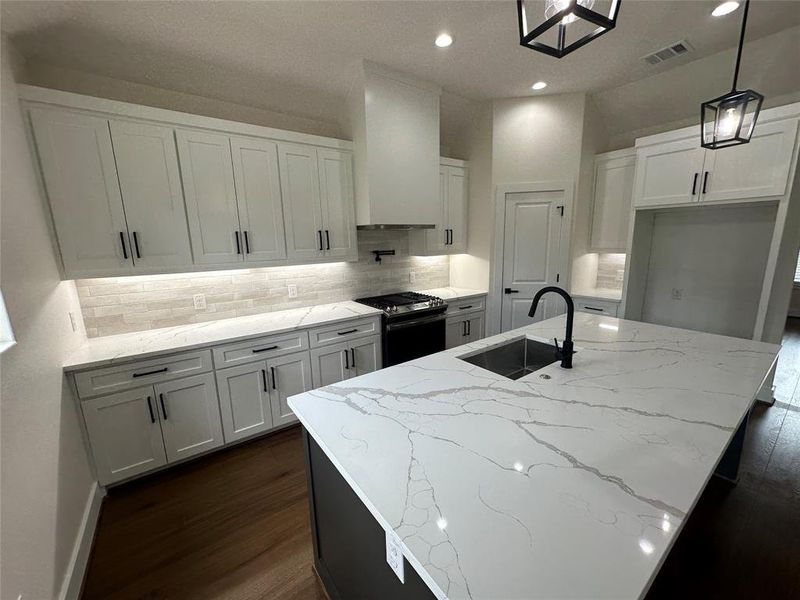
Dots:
pixel 76 569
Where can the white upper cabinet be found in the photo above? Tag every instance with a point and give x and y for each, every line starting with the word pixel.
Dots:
pixel 208 183
pixel 336 197
pixel 450 234
pixel 77 163
pixel 611 207
pixel 258 191
pixel 668 174
pixel 149 179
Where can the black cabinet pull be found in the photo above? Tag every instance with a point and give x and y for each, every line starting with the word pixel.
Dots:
pixel 705 182
pixel 593 308
pixel 353 357
pixel 465 307
pixel 450 242
pixel 346 332
pixel 136 245
pixel 510 291
pixel 122 242
pixel 328 239
pixel 238 243
pixel 274 382
pixel 267 349
pixel 346 360
pixel 246 243
pixel 163 406
pixel 164 370
pixel 694 184
pixel 463 328
pixel 264 375
pixel 150 410
pixel 319 234
pixel 469 327
pixel 446 236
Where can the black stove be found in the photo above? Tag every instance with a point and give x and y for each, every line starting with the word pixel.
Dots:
pixel 413 325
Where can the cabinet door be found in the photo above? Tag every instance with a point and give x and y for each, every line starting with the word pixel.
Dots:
pixel 124 434
pixel 190 417
pixel 149 179
pixel 365 355
pixel 669 173
pixel 244 400
pixel 290 374
pixel 757 169
pixel 78 169
pixel 456 332
pixel 301 204
pixel 475 327
pixel 336 195
pixel 457 199
pixel 258 191
pixel 328 364
pixel 210 196
pixel 613 188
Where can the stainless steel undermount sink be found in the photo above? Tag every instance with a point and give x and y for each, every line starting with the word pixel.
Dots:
pixel 516 358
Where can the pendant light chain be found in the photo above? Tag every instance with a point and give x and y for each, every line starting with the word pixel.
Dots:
pixel 741 45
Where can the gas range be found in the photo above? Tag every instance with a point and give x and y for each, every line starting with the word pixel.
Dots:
pixel 401 305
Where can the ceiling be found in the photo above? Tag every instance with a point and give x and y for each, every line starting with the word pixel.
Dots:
pixel 299 56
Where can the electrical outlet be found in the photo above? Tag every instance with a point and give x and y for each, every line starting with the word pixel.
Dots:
pixel 677 294
pixel 73 321
pixel 412 277
pixel 292 290
pixel 394 555
pixel 199 301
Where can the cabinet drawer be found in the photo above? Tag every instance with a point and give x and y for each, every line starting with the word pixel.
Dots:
pixel 455 307
pixel 260 348
pixel 597 307
pixel 128 375
pixel 341 332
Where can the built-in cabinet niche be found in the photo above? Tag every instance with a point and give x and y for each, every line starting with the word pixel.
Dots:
pixel 135 190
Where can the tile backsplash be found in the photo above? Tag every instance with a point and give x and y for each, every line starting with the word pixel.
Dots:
pixel 610 271
pixel 124 304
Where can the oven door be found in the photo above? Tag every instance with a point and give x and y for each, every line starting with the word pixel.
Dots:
pixel 407 340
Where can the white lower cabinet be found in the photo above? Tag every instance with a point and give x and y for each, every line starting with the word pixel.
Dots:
pixel 290 375
pixel 335 363
pixel 244 400
pixel 464 328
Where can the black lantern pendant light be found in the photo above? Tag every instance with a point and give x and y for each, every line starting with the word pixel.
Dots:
pixel 568 24
pixel 729 120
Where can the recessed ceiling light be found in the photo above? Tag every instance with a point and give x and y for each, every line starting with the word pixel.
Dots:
pixel 444 40
pixel 539 85
pixel 725 8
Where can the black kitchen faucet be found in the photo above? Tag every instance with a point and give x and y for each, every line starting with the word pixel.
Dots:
pixel 564 354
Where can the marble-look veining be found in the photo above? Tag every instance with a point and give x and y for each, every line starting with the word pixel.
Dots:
pixel 599 294
pixel 454 293
pixel 569 487
pixel 112 349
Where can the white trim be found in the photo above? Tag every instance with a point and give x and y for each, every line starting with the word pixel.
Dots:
pixel 623 153
pixel 453 162
pixel 72 585
pixel 495 297
pixel 29 94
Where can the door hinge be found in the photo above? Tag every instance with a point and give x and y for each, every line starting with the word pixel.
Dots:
pixel 560 208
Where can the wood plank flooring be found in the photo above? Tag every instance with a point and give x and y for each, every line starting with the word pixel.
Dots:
pixel 234 525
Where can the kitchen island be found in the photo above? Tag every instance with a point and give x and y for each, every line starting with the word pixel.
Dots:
pixel 560 484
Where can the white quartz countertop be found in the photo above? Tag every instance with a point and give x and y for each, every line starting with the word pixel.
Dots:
pixel 454 293
pixel 569 487
pixel 112 349
pixel 600 294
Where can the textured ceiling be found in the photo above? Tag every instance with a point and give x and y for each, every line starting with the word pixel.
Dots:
pixel 299 57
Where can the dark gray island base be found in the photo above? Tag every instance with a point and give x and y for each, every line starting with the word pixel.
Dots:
pixel 349 544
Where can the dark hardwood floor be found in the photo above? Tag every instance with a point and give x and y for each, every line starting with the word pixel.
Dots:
pixel 234 525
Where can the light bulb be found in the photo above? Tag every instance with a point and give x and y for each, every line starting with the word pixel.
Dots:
pixel 554 6
pixel 444 40
pixel 728 123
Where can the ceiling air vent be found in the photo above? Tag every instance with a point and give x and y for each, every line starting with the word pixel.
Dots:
pixel 671 51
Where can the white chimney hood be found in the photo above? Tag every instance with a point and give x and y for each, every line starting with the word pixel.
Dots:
pixel 395 127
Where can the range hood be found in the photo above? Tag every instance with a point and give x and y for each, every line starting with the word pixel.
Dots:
pixel 394 120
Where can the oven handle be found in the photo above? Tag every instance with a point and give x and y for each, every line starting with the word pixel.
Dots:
pixel 415 322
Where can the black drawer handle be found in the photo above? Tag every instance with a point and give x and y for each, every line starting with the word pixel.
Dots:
pixel 593 308
pixel 465 307
pixel 257 350
pixel 164 370
pixel 346 332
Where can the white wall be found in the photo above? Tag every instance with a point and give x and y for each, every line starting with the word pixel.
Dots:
pixel 46 480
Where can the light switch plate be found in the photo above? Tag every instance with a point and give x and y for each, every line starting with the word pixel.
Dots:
pixel 292 290
pixel 394 555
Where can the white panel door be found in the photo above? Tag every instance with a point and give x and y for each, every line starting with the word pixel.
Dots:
pixel 336 196
pixel 290 374
pixel 533 256
pixel 611 209
pixel 258 191
pixel 190 417
pixel 757 169
pixel 457 198
pixel 244 400
pixel 124 434
pixel 456 332
pixel 668 174
pixel 149 179
pixel 330 364
pixel 79 173
pixel 365 355
pixel 301 201
pixel 210 197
